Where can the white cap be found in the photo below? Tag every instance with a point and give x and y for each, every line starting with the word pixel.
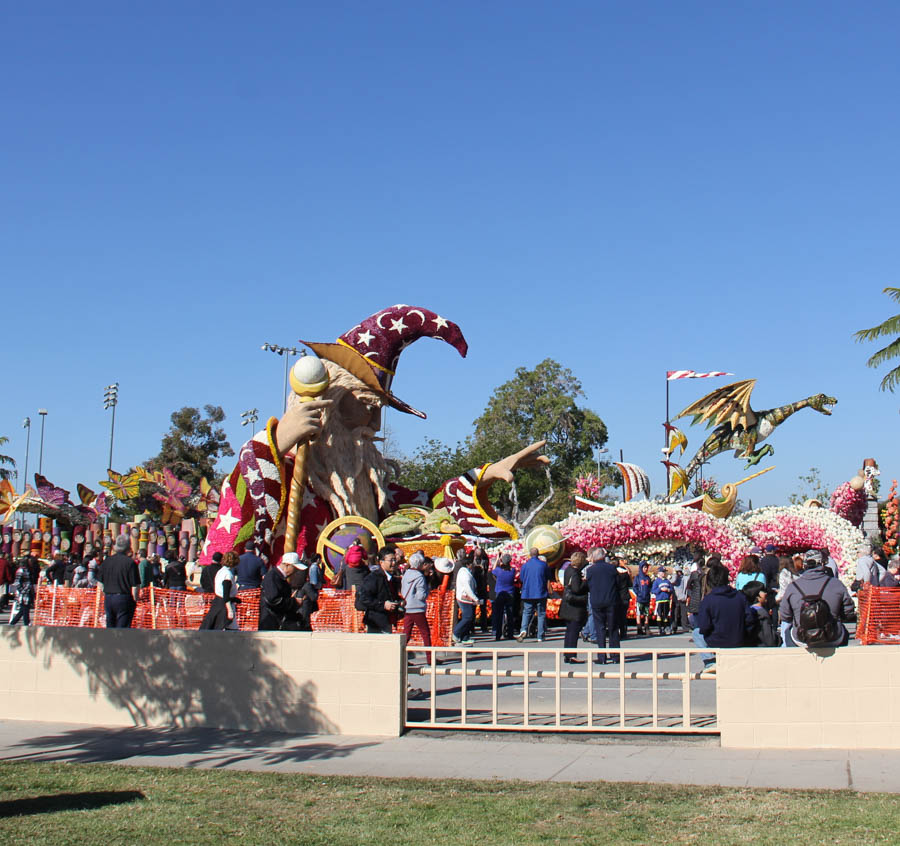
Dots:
pixel 291 558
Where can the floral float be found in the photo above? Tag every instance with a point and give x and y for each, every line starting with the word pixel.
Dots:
pixel 800 527
pixel 849 503
pixel 891 520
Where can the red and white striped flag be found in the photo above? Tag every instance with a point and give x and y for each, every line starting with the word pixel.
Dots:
pixel 671 375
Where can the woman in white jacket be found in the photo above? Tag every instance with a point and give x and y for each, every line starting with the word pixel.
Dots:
pixel 467 600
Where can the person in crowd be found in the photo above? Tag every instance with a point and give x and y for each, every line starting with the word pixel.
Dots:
pixel 121 585
pixel 306 593
pixel 316 573
pixel 504 579
pixel 80 576
pixel 574 606
pixel 603 593
pixel 72 562
pixel 6 579
pixel 697 588
pixel 56 570
pixel 679 602
pixel 251 569
pixel 533 577
pixel 208 574
pixel 175 575
pixel 467 601
pixel 279 609
pixel 222 614
pixel 414 590
pixel 642 589
pixel 814 623
pixel 763 632
pixel 867 569
pixel 623 580
pixel 378 595
pixel 724 617
pixel 355 566
pixel 93 569
pixel 479 568
pixel 749 572
pixel 768 564
pixel 892 576
pixel 23 594
pixel 880 558
pixel 787 572
pixel 149 571
pixel 662 592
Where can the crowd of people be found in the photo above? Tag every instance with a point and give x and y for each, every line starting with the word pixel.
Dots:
pixel 773 601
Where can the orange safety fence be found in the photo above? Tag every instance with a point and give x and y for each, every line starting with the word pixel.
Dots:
pixel 157 608
pixel 337 613
pixel 878 620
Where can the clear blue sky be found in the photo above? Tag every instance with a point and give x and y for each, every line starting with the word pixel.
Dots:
pixel 625 187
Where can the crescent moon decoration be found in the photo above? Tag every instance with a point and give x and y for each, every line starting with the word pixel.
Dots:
pixel 420 313
pixel 380 317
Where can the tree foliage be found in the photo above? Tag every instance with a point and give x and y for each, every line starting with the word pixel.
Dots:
pixel 7 463
pixel 811 487
pixel 537 404
pixel 889 328
pixel 193 445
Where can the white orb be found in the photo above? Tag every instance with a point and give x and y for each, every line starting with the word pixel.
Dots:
pixel 857 483
pixel 309 370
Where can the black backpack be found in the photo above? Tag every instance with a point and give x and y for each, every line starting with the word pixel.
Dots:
pixel 816 624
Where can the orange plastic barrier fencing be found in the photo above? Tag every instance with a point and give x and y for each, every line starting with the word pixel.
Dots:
pixel 337 613
pixel 157 608
pixel 879 615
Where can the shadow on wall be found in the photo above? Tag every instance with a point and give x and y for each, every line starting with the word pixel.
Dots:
pixel 182 678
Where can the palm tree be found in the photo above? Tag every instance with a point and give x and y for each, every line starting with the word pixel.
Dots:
pixel 891 328
pixel 5 472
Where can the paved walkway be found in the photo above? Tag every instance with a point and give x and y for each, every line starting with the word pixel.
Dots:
pixel 418 755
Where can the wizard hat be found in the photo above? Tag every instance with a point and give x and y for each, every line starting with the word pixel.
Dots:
pixel 371 349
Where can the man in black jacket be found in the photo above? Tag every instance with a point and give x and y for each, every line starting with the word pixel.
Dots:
pixel 377 595
pixel 121 585
pixel 603 584
pixel 278 609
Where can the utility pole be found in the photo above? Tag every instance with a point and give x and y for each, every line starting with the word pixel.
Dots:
pixel 111 400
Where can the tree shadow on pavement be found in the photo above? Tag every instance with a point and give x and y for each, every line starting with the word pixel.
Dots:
pixel 67 802
pixel 176 678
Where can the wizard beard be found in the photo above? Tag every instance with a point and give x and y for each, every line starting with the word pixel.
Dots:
pixel 344 466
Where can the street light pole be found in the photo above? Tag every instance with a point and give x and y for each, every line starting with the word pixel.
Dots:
pixel 26 424
pixel 111 400
pixel 286 352
pixel 43 413
pixel 249 418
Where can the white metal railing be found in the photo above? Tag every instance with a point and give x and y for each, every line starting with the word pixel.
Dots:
pixel 585 697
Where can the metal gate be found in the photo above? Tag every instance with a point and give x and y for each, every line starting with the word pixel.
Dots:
pixel 533 689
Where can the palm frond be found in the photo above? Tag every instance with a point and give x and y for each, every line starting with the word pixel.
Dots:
pixel 892 350
pixel 891 380
pixel 893 293
pixel 891 326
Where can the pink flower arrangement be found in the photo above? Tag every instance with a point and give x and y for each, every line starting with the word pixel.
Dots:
pixel 849 504
pixel 588 486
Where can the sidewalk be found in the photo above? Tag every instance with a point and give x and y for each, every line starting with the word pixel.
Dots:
pixel 417 755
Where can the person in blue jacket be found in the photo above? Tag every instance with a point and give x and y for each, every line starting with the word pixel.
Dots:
pixel 663 592
pixel 533 577
pixel 725 616
pixel 641 587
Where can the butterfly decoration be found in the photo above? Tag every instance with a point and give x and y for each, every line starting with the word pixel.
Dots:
pixel 207 499
pixel 49 493
pixel 92 506
pixel 173 495
pixel 11 502
pixel 124 486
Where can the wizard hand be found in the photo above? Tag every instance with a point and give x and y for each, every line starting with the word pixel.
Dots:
pixel 300 424
pixel 503 470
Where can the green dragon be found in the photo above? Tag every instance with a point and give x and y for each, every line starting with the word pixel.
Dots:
pixel 738 426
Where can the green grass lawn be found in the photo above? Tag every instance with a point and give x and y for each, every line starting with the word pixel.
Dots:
pixel 109 804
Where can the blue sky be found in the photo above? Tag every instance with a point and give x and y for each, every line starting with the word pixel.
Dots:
pixel 627 188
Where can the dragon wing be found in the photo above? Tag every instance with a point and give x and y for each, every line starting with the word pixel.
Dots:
pixel 730 403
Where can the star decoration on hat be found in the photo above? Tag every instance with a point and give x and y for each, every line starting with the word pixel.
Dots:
pixel 398 326
pixel 440 322
pixel 365 337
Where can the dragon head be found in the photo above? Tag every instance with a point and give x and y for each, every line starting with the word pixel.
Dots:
pixel 821 403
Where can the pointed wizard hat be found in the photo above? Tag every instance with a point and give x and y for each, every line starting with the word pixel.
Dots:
pixel 371 349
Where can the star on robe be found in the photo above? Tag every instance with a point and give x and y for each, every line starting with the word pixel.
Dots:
pixel 398 326
pixel 365 337
pixel 253 475
pixel 227 520
pixel 454 509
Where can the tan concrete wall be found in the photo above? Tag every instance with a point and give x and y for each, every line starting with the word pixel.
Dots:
pixel 294 682
pixel 846 698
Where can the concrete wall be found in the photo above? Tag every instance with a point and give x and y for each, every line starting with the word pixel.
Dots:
pixel 294 682
pixel 846 698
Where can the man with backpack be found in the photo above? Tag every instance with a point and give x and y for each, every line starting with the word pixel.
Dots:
pixel 816 605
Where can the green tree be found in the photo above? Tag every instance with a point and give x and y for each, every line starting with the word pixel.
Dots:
pixel 889 328
pixel 812 487
pixel 7 463
pixel 193 445
pixel 538 404
pixel 433 463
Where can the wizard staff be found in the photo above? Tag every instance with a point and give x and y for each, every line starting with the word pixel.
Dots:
pixel 309 380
